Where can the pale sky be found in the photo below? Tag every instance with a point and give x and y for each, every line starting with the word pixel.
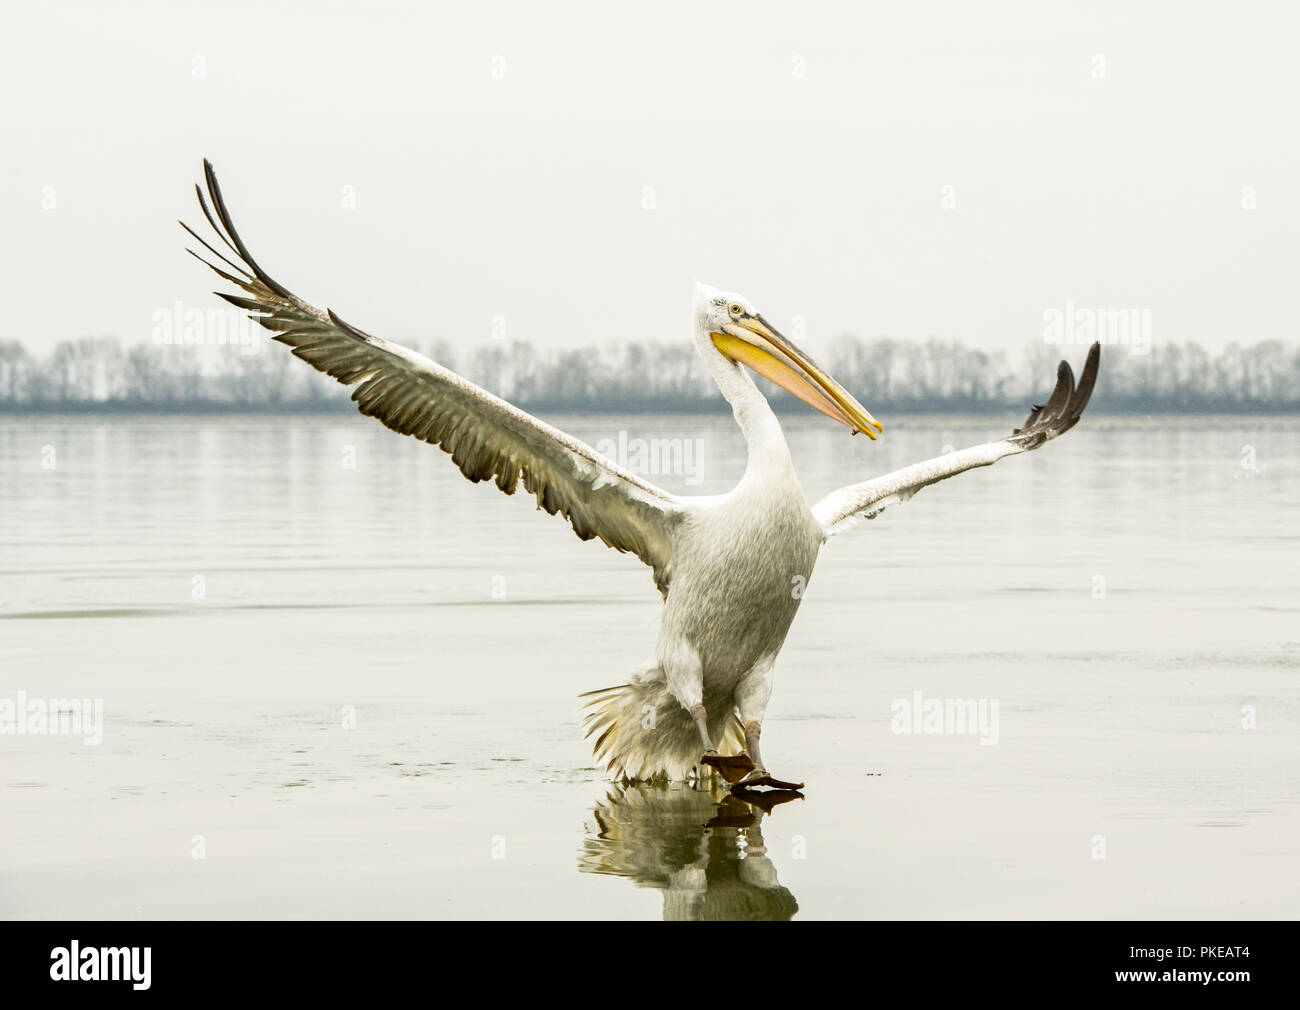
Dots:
pixel 885 168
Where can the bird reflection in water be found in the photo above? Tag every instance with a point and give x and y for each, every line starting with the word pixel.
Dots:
pixel 700 845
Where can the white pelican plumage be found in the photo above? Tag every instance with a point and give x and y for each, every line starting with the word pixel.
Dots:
pixel 725 564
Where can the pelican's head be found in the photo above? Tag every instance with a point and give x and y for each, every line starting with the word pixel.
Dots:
pixel 728 324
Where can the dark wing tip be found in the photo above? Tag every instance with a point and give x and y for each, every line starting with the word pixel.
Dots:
pixel 1065 406
pixel 1088 380
pixel 227 231
pixel 1062 393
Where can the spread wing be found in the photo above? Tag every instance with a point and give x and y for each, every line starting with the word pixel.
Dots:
pixel 842 509
pixel 486 437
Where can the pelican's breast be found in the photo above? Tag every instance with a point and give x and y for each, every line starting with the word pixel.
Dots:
pixel 741 563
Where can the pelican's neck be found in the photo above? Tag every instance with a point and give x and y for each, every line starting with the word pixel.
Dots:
pixel 769 455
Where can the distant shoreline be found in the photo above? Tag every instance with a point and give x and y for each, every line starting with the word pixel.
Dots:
pixel 102 376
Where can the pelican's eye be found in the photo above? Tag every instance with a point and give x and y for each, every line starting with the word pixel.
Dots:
pixel 736 309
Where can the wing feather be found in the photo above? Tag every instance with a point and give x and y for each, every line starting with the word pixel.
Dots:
pixel 486 437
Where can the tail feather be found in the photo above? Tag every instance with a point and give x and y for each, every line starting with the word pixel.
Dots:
pixel 641 732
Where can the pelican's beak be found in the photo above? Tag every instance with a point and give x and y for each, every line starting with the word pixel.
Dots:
pixel 751 341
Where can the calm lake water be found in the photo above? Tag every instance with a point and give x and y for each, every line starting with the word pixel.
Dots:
pixel 340 681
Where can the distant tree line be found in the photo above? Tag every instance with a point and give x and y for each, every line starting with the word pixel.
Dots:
pixel 100 374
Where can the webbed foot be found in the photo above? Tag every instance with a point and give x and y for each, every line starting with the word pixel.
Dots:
pixel 759 777
pixel 733 767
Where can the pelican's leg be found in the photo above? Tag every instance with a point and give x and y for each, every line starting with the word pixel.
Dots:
pixel 701 718
pixel 752 694
pixel 685 675
pixel 753 729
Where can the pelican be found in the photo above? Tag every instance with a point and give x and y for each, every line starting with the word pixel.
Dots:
pixel 724 564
